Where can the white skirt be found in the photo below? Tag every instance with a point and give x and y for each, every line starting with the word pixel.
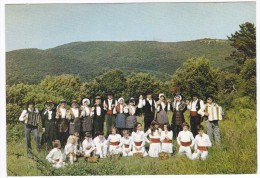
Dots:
pixel 167 147
pixel 154 149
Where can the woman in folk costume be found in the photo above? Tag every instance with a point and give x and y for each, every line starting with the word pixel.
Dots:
pixel 49 123
pixel 126 143
pixel 162 107
pixel 55 156
pixel 121 110
pixel 178 107
pixel 133 111
pixel 101 145
pixel 139 140
pixel 88 145
pixel 75 122
pixel 114 142
pixel 201 142
pixel 62 116
pixel 70 149
pixel 166 139
pixel 212 114
pixel 98 116
pixel 154 134
pixel 86 117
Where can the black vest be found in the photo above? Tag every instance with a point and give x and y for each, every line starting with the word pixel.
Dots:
pixel 148 108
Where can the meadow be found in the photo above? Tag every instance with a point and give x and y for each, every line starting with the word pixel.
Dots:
pixel 237 154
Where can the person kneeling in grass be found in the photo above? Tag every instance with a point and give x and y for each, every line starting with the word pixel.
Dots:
pixel 202 142
pixel 186 140
pixel 114 142
pixel 126 143
pixel 70 149
pixel 55 156
pixel 88 145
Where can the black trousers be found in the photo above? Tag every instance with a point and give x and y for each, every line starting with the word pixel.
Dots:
pixel 176 129
pixel 148 118
pixel 63 137
pixel 194 122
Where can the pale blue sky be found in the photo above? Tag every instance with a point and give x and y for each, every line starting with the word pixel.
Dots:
pixel 48 25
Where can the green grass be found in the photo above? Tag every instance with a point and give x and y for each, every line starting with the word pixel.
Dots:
pixel 236 155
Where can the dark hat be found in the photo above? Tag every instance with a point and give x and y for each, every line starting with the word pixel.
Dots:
pixel 98 97
pixel 29 103
pixel 63 101
pixel 110 93
pixel 132 100
pixel 149 92
pixel 209 96
pixel 74 102
pixel 49 103
pixel 194 95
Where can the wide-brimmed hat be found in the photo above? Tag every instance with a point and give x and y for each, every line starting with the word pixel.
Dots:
pixel 98 97
pixel 194 95
pixel 74 102
pixel 63 101
pixel 49 103
pixel 85 100
pixel 209 97
pixel 109 93
pixel 148 92
pixel 132 100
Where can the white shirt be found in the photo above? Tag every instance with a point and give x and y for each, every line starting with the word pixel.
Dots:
pixel 169 135
pixel 131 110
pixel 49 115
pixel 156 133
pixel 54 154
pixel 63 112
pixel 86 111
pixel 202 141
pixel 114 138
pixel 70 148
pixel 99 142
pixel 24 114
pixel 126 141
pixel 192 106
pixel 141 103
pixel 98 110
pixel 86 143
pixel 185 136
pixel 75 112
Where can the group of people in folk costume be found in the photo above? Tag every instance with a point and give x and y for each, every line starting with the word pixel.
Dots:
pixel 61 123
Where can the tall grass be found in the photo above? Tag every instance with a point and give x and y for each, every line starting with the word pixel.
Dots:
pixel 236 155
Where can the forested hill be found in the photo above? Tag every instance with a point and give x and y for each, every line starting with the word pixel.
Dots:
pixel 89 59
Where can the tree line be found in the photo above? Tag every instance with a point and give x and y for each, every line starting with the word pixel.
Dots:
pixel 229 87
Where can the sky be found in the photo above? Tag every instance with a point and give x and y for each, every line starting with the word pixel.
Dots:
pixel 49 25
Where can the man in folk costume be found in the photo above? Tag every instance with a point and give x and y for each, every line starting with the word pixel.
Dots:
pixel 148 105
pixel 31 118
pixel 99 116
pixel 178 107
pixel 212 114
pixel 196 107
pixel 75 121
pixel 162 108
pixel 62 116
pixel 49 123
pixel 133 112
pixel 110 110
pixel 86 117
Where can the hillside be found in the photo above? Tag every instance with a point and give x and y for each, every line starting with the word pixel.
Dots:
pixel 90 59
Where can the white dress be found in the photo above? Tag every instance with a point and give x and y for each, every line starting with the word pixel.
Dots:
pixel 55 157
pixel 114 142
pixel 88 143
pixel 126 144
pixel 167 144
pixel 155 146
pixel 138 137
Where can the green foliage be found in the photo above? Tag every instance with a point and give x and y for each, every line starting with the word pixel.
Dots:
pixel 139 83
pixel 248 70
pixel 13 112
pixel 196 76
pixel 92 59
pixel 244 41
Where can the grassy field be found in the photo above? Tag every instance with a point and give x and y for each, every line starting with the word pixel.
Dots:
pixel 236 155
